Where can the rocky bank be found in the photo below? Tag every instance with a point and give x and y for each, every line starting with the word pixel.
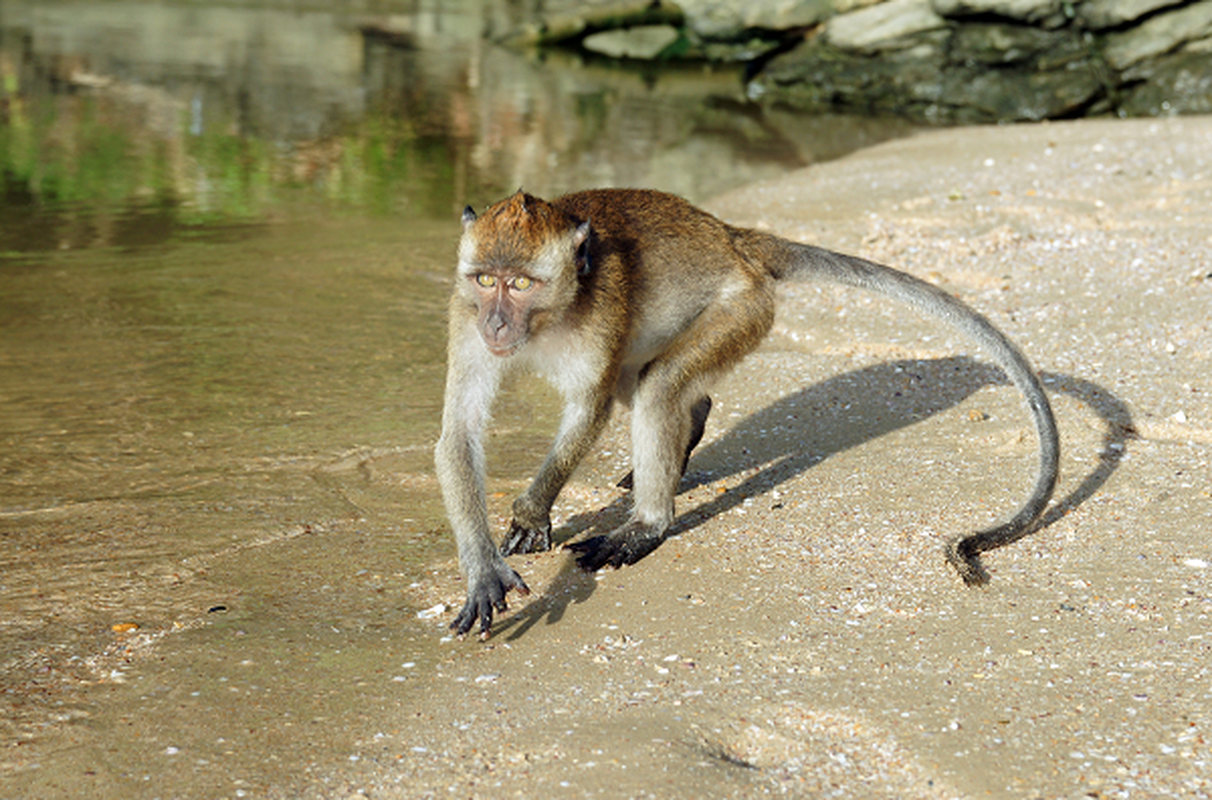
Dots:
pixel 937 60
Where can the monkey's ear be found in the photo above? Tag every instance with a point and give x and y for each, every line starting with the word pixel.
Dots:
pixel 580 240
pixel 469 216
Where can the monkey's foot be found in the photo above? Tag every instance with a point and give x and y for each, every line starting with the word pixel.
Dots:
pixel 967 562
pixel 627 545
pixel 486 592
pixel 526 540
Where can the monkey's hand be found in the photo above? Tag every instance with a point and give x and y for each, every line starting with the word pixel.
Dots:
pixel 626 545
pixel 486 591
pixel 526 540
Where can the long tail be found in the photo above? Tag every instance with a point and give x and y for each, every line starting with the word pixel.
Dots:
pixel 804 262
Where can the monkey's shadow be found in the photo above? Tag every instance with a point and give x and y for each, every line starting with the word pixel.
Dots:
pixel 807 427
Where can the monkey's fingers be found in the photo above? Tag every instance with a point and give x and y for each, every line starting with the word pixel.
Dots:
pixel 484 597
pixel 486 621
pixel 510 579
pixel 526 540
pixel 475 609
pixel 615 550
pixel 479 608
pixel 588 549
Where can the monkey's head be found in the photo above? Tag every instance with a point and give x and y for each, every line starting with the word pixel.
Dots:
pixel 519 265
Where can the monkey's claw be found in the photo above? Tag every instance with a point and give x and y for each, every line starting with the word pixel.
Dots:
pixel 484 595
pixel 614 550
pixel 526 540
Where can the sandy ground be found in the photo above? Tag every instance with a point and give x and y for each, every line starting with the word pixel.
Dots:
pixel 802 634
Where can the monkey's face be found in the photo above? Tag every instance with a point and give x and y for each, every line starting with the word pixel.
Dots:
pixel 505 303
pixel 518 268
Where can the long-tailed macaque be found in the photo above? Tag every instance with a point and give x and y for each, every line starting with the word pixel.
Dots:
pixel 640 297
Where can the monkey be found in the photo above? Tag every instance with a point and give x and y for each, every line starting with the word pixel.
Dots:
pixel 640 298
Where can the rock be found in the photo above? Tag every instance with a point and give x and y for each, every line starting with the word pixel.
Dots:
pixel 1100 14
pixel 644 42
pixel 1000 44
pixel 817 77
pixel 887 26
pixel 1022 10
pixel 739 52
pixel 1159 35
pixel 1176 84
pixel 1023 95
pixel 733 19
pixel 567 21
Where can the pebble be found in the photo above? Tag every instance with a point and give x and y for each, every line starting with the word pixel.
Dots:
pixel 432 612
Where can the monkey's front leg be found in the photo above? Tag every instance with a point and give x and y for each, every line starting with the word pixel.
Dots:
pixel 460 463
pixel 459 458
pixel 530 529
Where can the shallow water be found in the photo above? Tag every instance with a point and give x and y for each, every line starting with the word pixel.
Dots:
pixel 174 414
pixel 225 240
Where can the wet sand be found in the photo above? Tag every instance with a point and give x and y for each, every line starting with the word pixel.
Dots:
pixel 802 634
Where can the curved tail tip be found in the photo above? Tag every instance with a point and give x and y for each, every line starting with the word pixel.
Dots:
pixel 967 564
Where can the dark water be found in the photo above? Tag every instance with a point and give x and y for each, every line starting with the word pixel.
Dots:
pixel 225 235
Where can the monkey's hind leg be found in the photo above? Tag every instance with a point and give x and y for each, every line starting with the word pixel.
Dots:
pixel 622 546
pixel 698 424
pixel 669 412
pixel 660 431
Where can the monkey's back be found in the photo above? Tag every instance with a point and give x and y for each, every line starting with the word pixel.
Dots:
pixel 676 261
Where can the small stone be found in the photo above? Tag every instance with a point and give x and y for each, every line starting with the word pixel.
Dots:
pixel 432 612
pixel 642 42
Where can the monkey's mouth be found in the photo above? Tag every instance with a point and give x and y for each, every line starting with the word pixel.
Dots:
pixel 503 350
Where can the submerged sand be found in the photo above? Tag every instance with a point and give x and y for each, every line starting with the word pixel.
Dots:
pixel 802 634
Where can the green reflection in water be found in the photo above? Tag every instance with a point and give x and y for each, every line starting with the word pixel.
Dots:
pixel 85 170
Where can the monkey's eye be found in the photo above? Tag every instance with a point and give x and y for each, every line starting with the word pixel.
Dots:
pixel 523 283
pixel 485 280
